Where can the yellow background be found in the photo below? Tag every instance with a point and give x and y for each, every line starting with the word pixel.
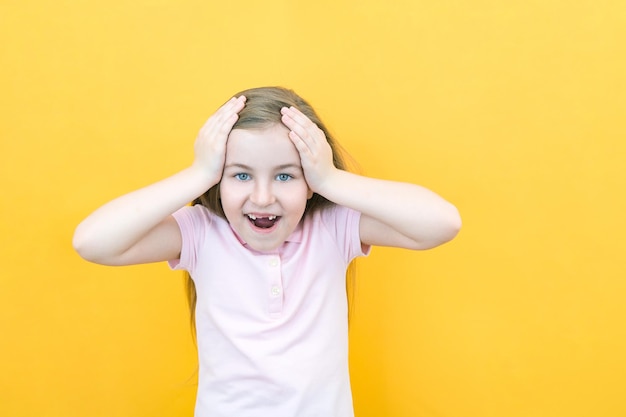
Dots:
pixel 513 110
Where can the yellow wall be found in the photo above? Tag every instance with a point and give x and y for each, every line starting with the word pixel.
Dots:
pixel 514 110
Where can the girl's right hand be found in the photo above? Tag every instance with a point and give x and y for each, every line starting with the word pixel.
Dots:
pixel 210 145
pixel 138 227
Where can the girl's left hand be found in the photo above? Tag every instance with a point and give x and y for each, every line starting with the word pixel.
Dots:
pixel 316 154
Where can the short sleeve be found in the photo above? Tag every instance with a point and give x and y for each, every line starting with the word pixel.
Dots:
pixel 193 222
pixel 344 223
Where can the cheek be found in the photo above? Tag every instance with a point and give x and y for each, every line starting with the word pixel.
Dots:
pixel 297 199
pixel 229 198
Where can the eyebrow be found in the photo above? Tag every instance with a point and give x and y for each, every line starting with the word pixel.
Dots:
pixel 248 168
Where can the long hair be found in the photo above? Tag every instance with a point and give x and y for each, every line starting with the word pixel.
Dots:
pixel 262 110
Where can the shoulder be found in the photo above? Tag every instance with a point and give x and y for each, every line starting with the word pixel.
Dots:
pixel 197 220
pixel 194 216
pixel 341 225
pixel 202 232
pixel 334 216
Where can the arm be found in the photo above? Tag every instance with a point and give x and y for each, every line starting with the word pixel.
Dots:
pixel 138 227
pixel 393 213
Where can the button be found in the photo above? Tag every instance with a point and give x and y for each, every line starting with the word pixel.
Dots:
pixel 276 290
pixel 273 262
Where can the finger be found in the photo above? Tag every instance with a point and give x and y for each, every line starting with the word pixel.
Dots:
pixel 296 117
pixel 300 137
pixel 300 123
pixel 225 117
pixel 296 114
pixel 303 148
pixel 232 106
pixel 235 104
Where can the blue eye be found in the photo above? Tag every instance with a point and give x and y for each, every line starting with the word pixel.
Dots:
pixel 283 177
pixel 242 176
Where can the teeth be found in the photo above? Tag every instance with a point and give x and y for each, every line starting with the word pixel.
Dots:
pixel 253 217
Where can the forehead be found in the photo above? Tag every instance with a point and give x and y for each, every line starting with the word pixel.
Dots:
pixel 269 145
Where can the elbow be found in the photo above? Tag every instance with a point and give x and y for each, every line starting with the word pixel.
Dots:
pixel 85 247
pixel 454 224
pixel 81 245
pixel 450 225
pixel 445 229
pixel 93 247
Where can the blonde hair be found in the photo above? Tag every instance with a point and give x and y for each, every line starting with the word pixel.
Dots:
pixel 262 110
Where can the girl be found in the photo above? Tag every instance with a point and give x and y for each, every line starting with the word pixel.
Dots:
pixel 267 247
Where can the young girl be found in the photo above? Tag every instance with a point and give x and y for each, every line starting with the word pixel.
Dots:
pixel 277 222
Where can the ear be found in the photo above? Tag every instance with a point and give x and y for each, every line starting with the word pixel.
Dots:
pixel 309 193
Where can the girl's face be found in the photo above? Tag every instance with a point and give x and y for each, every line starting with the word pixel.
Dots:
pixel 263 190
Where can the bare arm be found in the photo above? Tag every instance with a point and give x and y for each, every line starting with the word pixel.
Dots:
pixel 138 227
pixel 393 213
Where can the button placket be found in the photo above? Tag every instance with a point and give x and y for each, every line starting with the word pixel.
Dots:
pixel 276 295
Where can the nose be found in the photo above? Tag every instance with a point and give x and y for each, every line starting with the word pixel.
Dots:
pixel 262 194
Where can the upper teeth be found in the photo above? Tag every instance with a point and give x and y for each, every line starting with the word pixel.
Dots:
pixel 253 217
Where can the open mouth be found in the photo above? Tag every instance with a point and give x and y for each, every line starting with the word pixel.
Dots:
pixel 263 222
